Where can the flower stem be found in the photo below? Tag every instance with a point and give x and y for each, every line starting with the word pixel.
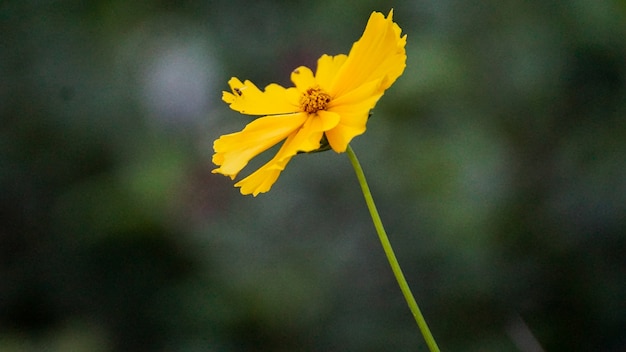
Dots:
pixel 391 257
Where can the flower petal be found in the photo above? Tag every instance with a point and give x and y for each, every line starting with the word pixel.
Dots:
pixel 351 125
pixel 327 68
pixel 313 130
pixel 378 55
pixel 329 119
pixel 262 179
pixel 353 109
pixel 366 94
pixel 249 99
pixel 234 151
pixel 306 139
pixel 303 78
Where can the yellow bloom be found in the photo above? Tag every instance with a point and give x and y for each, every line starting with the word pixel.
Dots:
pixel 330 106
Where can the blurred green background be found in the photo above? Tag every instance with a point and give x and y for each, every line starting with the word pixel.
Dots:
pixel 497 160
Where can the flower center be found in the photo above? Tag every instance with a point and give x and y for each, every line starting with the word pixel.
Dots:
pixel 314 100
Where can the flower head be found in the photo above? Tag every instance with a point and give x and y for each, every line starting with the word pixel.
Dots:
pixel 331 106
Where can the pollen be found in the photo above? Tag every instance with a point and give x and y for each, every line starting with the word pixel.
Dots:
pixel 314 100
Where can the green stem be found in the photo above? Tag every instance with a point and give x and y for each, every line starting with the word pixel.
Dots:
pixel 391 257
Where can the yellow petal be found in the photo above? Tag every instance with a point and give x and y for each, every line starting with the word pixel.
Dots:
pixel 329 119
pixel 353 109
pixel 378 55
pixel 262 179
pixel 310 136
pixel 351 125
pixel 327 68
pixel 303 78
pixel 366 94
pixel 307 138
pixel 234 151
pixel 249 99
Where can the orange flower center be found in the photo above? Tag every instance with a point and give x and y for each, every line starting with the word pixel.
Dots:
pixel 314 100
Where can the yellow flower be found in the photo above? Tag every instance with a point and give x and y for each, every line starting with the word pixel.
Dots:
pixel 331 106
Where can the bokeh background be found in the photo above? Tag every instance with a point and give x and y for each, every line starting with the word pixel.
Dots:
pixel 498 162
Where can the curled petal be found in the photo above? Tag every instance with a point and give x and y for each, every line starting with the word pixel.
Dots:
pixel 378 55
pixel 352 124
pixel 234 151
pixel 327 68
pixel 328 119
pixel 249 99
pixel 303 78
pixel 364 97
pixel 262 179
pixel 306 139
pixel 353 108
